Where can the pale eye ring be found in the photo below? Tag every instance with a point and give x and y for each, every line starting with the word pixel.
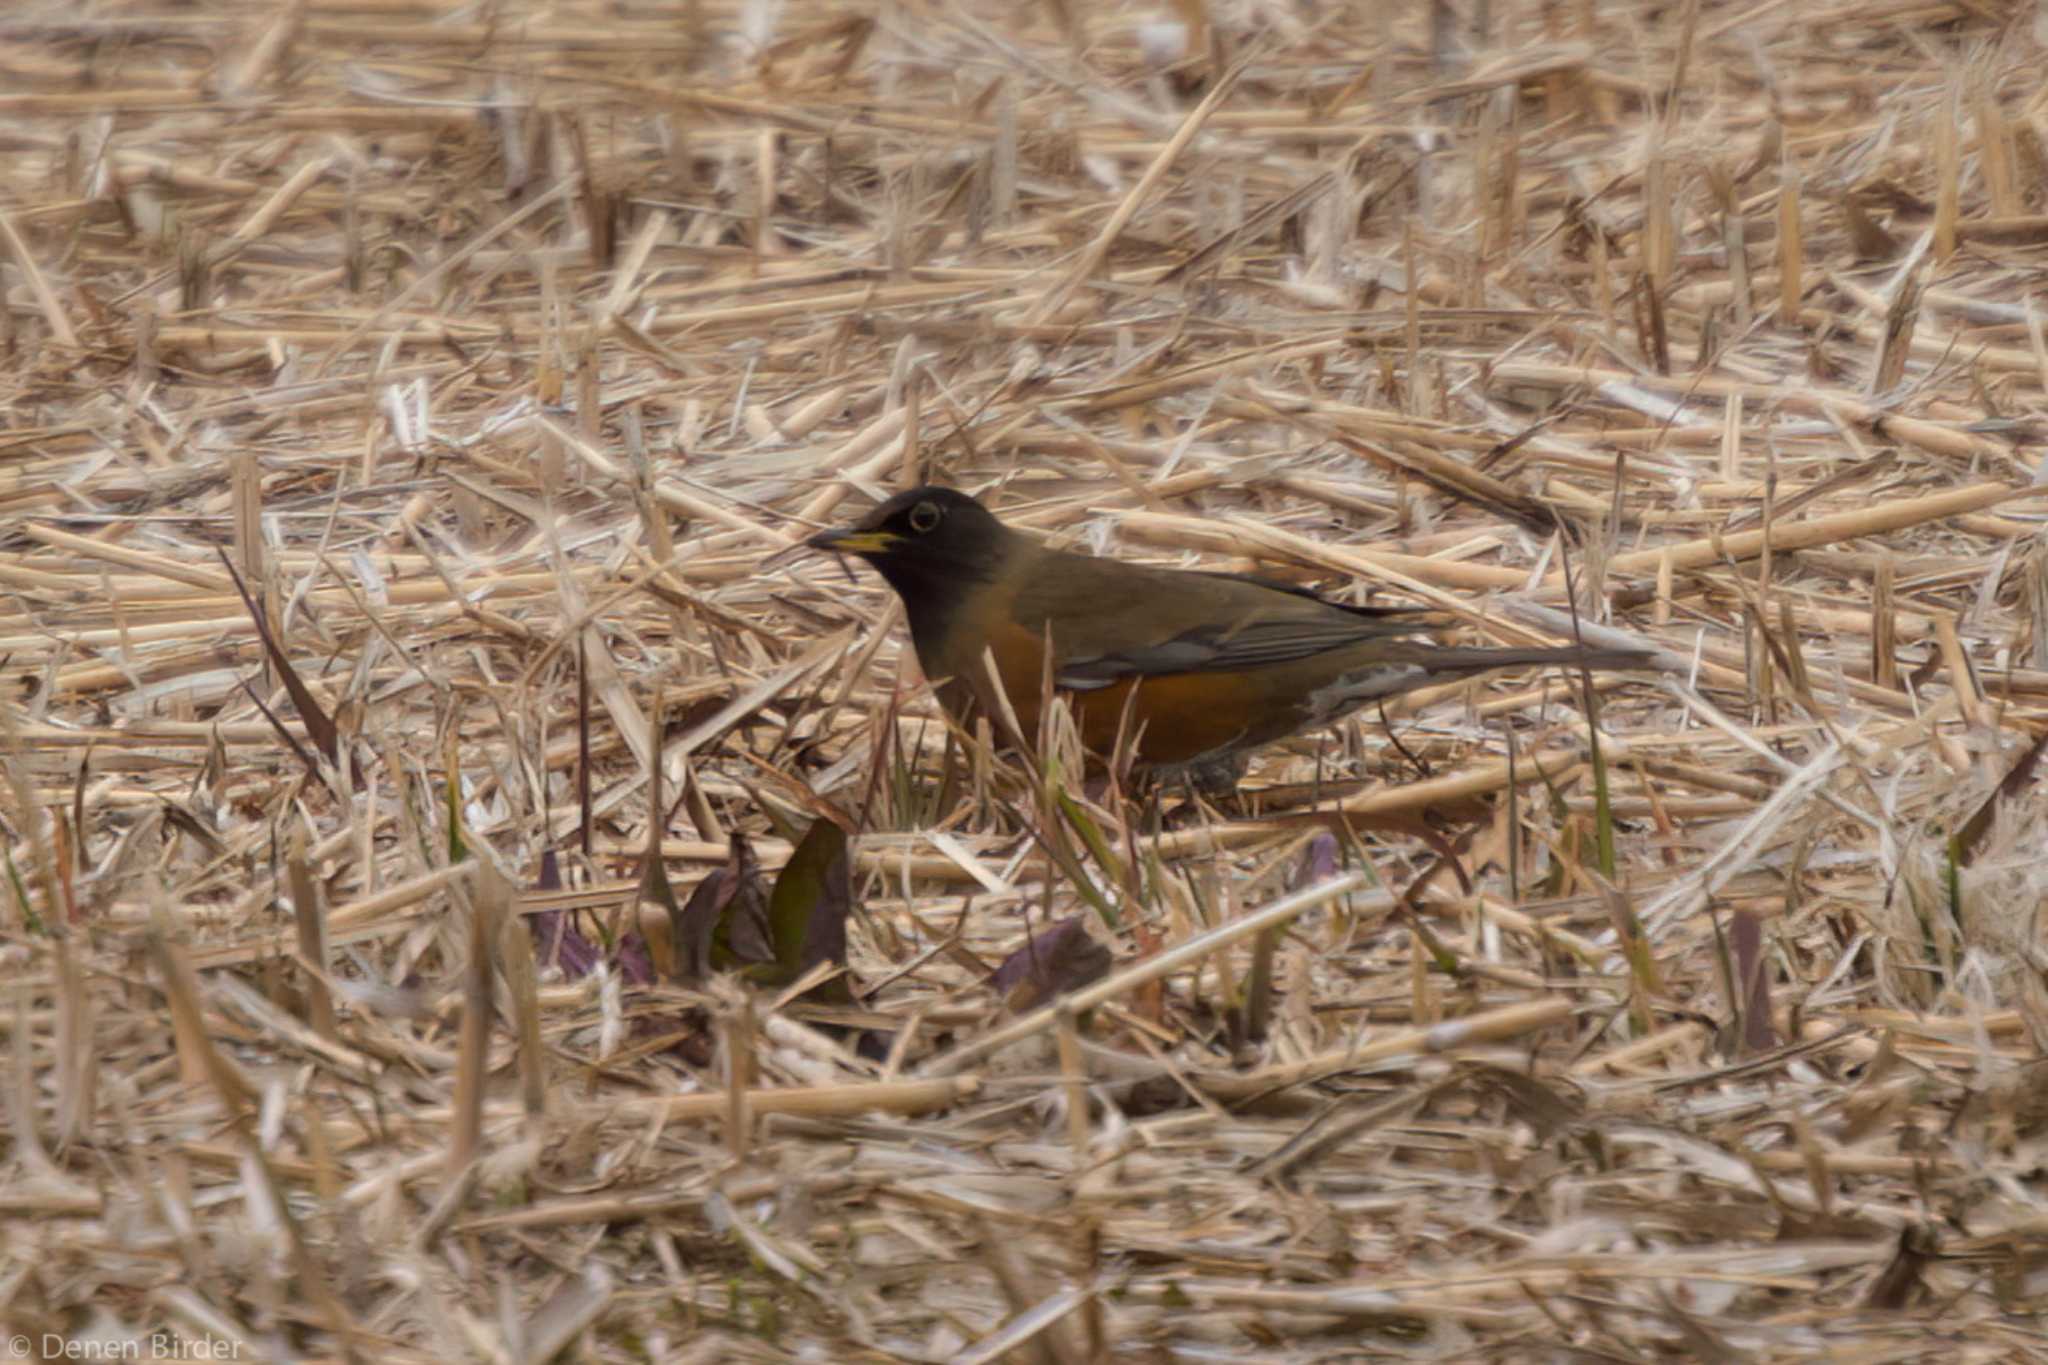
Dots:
pixel 924 517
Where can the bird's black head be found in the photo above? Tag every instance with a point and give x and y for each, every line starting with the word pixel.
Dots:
pixel 932 544
pixel 929 526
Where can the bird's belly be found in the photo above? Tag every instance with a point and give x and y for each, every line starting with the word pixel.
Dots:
pixel 1176 718
pixel 1182 717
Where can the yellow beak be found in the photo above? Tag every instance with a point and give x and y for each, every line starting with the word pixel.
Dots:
pixel 854 542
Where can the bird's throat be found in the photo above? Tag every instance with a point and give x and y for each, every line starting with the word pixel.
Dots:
pixel 935 595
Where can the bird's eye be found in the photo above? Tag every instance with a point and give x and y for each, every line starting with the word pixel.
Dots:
pixel 924 516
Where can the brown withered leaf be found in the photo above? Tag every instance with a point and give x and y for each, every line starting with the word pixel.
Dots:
pixel 1752 983
pixel 1062 959
pixel 557 942
pixel 1867 237
pixel 320 727
pixel 725 922
pixel 1902 1283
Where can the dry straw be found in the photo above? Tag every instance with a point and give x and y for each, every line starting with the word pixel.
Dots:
pixel 502 353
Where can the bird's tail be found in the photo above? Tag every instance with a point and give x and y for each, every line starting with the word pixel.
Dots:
pixel 1401 669
pixel 1477 659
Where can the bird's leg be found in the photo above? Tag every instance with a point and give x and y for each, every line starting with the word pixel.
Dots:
pixel 1206 784
pixel 1421 767
pixel 1217 778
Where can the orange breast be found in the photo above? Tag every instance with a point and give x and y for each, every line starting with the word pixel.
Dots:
pixel 1177 717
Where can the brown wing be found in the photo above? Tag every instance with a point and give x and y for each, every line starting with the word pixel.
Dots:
pixel 1121 621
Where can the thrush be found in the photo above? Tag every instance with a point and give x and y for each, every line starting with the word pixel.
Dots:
pixel 1199 669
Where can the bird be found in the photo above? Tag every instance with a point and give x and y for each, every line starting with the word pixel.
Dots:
pixel 1209 666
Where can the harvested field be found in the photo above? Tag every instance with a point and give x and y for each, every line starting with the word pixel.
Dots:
pixel 411 415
